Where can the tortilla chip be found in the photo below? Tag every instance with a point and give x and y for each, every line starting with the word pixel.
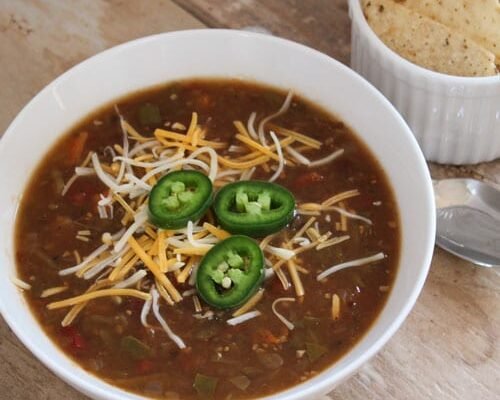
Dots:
pixel 426 42
pixel 477 19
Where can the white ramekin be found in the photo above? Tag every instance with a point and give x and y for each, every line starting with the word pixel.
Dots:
pixel 231 55
pixel 456 120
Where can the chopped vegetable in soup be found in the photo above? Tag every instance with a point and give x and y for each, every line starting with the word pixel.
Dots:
pixel 208 239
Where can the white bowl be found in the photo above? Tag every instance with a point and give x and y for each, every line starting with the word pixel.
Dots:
pixel 456 120
pixel 229 54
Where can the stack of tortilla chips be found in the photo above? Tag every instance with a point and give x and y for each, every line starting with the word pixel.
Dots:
pixel 455 37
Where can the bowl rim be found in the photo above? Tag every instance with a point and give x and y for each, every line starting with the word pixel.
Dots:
pixel 356 13
pixel 321 381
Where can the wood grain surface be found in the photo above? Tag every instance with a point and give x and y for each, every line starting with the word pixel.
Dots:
pixel 448 348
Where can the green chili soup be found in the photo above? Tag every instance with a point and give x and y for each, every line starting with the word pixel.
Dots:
pixel 266 251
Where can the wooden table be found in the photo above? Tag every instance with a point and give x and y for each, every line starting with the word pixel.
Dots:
pixel 447 349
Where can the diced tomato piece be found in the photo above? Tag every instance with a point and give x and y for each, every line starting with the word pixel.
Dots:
pixel 187 362
pixel 78 342
pixel 275 286
pixel 135 305
pixel 78 198
pixel 84 192
pixel 308 178
pixel 266 336
pixel 75 149
pixel 145 366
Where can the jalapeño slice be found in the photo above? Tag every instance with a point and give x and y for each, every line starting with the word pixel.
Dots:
pixel 179 197
pixel 230 272
pixel 254 208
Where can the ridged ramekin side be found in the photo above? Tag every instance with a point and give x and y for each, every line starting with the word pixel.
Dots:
pixel 456 120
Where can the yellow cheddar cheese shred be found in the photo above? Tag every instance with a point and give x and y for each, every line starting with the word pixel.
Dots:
pixel 155 269
pixel 97 294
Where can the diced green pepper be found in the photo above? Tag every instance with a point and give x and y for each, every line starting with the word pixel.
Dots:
pixel 149 114
pixel 135 348
pixel 205 386
pixel 240 381
pixel 315 351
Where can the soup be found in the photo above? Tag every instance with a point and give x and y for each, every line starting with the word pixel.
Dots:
pixel 135 269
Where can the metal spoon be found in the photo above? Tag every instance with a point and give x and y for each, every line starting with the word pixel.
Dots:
pixel 468 220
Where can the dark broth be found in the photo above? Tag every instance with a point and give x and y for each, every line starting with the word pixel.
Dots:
pixel 261 353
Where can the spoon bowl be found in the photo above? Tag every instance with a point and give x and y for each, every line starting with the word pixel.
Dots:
pixel 468 220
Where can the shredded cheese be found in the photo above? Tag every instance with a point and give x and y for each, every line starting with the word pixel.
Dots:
pixel 251 303
pixel 297 156
pixel 219 233
pixel 283 109
pixel 243 318
pixel 91 257
pixel 156 311
pixel 53 291
pixel 182 277
pixel 286 322
pixel 243 164
pixel 348 264
pixel 140 218
pixel 197 304
pixel 132 280
pixel 299 137
pixel 332 242
pixel 155 269
pixel 348 214
pixel 251 126
pixel 285 254
pixel 339 197
pixel 253 144
pixel 279 170
pixel 146 308
pixel 294 275
pixel 327 159
pixel 335 307
pixel 97 294
pixel 20 283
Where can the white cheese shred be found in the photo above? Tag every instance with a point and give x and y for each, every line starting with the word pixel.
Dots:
pixel 285 254
pixel 156 310
pixel 279 170
pixel 297 156
pixel 251 126
pixel 207 315
pixel 190 238
pixel 146 308
pixel 125 148
pixel 140 219
pixel 131 280
pixel 53 291
pixel 213 160
pixel 68 184
pixel 92 256
pixel 348 264
pixel 247 174
pixel 20 283
pixel 350 215
pixel 264 121
pixel 286 322
pixel 96 269
pixel 243 317
pixel 103 176
pixel 327 159
pixel 79 171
